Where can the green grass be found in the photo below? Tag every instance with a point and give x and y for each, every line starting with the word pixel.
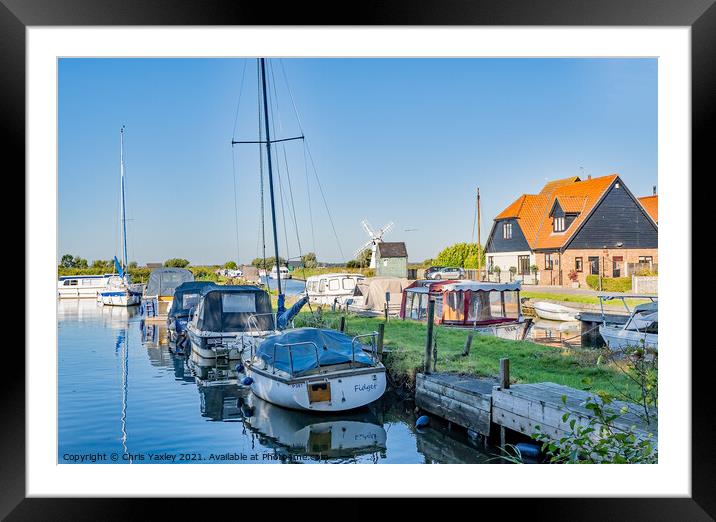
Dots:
pixel 576 298
pixel 529 362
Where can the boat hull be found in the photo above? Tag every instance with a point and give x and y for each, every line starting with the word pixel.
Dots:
pixel 555 312
pixel 511 331
pixel 348 389
pixel 617 338
pixel 119 298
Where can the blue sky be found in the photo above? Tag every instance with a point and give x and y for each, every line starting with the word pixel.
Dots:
pixel 403 140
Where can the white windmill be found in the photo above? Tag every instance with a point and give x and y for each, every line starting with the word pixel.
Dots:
pixel 375 238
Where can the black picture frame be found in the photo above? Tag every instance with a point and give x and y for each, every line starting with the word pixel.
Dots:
pixel 699 15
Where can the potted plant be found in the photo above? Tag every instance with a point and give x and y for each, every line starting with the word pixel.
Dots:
pixel 496 270
pixel 513 271
pixel 534 269
pixel 574 278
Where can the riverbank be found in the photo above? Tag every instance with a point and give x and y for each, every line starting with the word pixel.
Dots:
pixel 404 342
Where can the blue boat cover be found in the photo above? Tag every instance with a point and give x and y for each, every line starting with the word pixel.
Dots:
pixel 285 317
pixel 333 348
pixel 229 308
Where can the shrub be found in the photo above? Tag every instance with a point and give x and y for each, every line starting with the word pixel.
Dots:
pixel 573 276
pixel 610 284
pixel 176 262
pixel 231 265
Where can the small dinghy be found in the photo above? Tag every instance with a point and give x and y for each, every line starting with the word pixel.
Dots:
pixel 316 369
pixel 555 312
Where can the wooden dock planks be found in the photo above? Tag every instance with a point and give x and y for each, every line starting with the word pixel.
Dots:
pixel 476 403
pixel 524 406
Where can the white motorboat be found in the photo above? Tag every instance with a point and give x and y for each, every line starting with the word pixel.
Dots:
pixel 229 319
pixel 555 312
pixel 119 290
pixel 81 286
pixel 640 331
pixel 282 271
pixel 329 289
pixel 316 369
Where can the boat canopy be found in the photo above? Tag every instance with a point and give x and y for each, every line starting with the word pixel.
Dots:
pixel 300 350
pixel 163 281
pixel 646 307
pixel 229 308
pixel 186 297
pixel 482 286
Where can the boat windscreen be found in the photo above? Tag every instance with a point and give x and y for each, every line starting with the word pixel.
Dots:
pixel 309 348
pixel 231 311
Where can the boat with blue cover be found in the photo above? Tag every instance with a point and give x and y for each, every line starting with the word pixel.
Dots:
pixel 316 369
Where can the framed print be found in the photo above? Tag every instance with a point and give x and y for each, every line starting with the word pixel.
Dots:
pixel 423 235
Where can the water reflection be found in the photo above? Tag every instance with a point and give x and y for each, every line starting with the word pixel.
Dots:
pixel 544 331
pixel 122 389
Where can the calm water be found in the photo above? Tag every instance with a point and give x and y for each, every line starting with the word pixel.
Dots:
pixel 289 286
pixel 124 394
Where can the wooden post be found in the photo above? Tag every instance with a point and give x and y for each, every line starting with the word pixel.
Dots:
pixel 429 340
pixel 479 242
pixel 468 342
pixel 342 326
pixel 504 374
pixel 381 336
pixel 385 311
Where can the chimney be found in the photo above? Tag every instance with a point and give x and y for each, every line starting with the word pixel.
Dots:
pixel 653 190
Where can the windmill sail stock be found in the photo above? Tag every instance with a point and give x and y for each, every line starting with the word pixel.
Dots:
pixel 375 238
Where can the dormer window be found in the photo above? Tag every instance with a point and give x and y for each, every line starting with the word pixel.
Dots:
pixel 507 231
pixel 559 224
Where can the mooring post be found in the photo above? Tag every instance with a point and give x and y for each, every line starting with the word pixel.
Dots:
pixel 504 374
pixel 342 326
pixel 468 342
pixel 381 336
pixel 429 340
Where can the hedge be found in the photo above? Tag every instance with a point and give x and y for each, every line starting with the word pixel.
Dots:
pixel 610 284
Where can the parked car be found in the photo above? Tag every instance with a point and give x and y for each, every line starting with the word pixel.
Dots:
pixel 446 272
pixel 431 270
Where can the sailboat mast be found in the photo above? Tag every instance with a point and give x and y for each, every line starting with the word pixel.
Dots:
pixel 124 214
pixel 270 179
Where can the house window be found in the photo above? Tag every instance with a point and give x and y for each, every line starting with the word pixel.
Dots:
pixel 646 259
pixel 594 265
pixel 490 262
pixel 617 263
pixel 523 265
pixel 559 224
pixel 507 231
pixel 548 262
pixel 578 264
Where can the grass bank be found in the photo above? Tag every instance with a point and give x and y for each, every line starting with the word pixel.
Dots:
pixel 575 298
pixel 529 362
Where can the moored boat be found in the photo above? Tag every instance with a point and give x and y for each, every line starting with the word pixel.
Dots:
pixel 186 297
pixel 329 289
pixel 81 286
pixel 316 369
pixel 159 293
pixel 640 331
pixel 228 319
pixel 555 312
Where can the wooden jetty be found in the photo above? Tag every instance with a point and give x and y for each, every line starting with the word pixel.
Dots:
pixel 485 406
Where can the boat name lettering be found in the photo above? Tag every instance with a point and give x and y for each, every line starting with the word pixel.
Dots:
pixel 364 387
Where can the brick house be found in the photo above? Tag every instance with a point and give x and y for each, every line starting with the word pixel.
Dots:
pixel 595 226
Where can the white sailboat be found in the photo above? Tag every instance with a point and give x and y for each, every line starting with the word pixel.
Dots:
pixel 119 290
pixel 309 368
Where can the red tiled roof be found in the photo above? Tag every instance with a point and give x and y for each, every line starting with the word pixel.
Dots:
pixel 651 205
pixel 574 196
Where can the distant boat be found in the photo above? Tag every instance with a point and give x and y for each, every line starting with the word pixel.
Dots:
pixel 640 331
pixel 555 312
pixel 283 271
pixel 119 290
pixel 82 286
pixel 329 289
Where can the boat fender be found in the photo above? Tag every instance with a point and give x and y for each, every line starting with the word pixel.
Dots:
pixel 422 421
pixel 246 381
pixel 528 450
pixel 239 368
